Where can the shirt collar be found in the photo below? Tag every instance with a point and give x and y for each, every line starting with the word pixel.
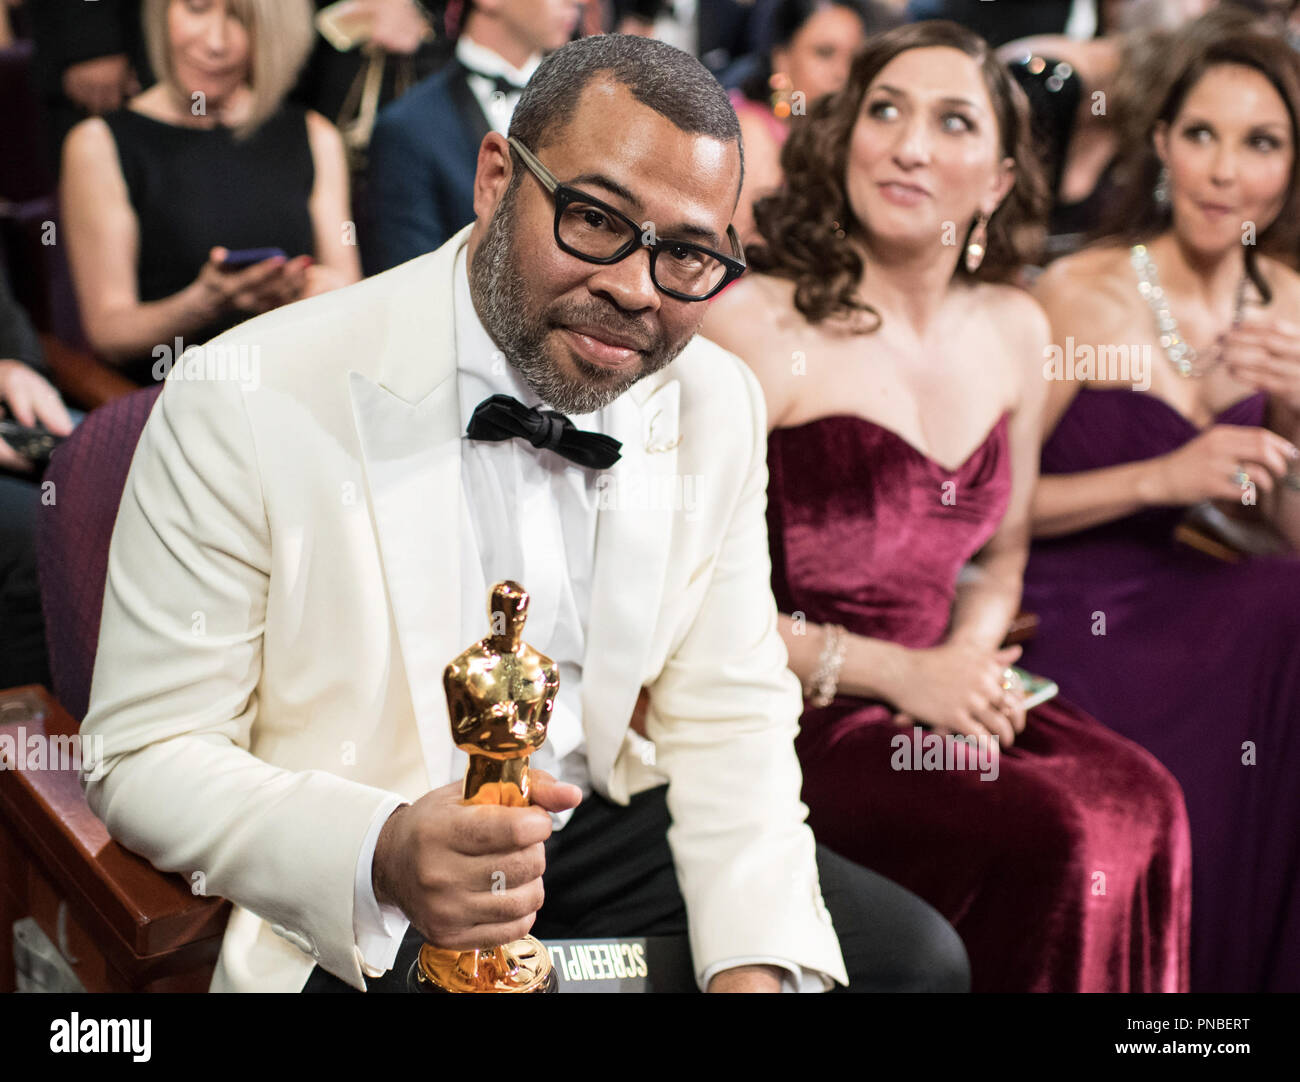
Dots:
pixel 481 58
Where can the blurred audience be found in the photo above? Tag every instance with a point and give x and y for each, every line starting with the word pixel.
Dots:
pixel 1090 97
pixel 208 163
pixel 401 30
pixel 719 32
pixel 1123 16
pixel 425 146
pixel 26 396
pixel 904 392
pixel 1282 16
pixel 811 45
pixel 90 59
pixel 1176 385
pixel 1001 22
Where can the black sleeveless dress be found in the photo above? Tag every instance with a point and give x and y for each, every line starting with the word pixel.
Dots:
pixel 193 189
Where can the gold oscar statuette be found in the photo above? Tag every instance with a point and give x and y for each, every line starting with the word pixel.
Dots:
pixel 500 695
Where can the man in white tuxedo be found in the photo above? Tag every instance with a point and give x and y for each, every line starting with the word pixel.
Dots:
pixel 299 554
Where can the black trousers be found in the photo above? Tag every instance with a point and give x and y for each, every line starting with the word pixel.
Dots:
pixel 23 656
pixel 610 873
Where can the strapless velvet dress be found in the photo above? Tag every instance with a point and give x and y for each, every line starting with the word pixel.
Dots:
pixel 1199 663
pixel 1069 871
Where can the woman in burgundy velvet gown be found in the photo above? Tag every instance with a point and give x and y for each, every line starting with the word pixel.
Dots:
pixel 898 451
pixel 1192 657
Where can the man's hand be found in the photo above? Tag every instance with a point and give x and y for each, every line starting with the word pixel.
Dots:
pixel 398 26
pixel 32 400
pixel 395 26
pixel 468 875
pixel 747 979
pixel 250 290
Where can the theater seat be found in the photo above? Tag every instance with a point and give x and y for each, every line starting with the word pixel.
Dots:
pixel 82 378
pixel 121 924
pixel 84 483
pixel 1023 628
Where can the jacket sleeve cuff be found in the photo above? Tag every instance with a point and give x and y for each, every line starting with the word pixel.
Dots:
pixel 794 978
pixel 378 928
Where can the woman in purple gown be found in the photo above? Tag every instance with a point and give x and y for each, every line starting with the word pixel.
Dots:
pixel 903 443
pixel 1193 396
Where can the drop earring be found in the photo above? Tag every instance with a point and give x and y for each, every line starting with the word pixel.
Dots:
pixel 977 245
pixel 1161 192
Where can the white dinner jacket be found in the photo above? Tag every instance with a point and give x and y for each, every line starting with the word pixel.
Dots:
pixel 282 598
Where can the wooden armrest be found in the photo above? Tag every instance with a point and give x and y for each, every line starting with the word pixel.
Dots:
pixel 1022 629
pixel 135 927
pixel 81 377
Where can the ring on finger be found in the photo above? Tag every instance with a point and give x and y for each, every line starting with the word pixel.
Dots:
pixel 1240 477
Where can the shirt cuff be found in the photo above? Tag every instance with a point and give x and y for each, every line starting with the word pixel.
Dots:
pixel 378 928
pixel 793 979
pixel 568 764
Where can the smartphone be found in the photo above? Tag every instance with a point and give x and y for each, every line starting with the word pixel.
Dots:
pixel 34 444
pixel 246 257
pixel 1037 689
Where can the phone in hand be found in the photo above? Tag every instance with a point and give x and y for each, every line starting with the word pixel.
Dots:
pixel 246 257
pixel 1037 689
pixel 35 443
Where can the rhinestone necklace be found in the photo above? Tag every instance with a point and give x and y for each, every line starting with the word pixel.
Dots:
pixel 1182 356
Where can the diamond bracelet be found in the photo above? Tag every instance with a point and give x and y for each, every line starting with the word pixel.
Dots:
pixel 826 677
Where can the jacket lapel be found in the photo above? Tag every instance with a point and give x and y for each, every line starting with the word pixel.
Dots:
pixel 408 424
pixel 471 113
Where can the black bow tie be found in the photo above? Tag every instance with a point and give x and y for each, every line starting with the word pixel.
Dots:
pixel 500 83
pixel 502 417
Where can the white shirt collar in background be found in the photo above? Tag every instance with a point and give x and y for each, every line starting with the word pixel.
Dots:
pixel 497 107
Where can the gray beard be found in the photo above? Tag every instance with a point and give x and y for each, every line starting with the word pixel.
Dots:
pixel 507 315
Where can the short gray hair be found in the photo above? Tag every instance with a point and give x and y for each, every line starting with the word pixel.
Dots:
pixel 672 83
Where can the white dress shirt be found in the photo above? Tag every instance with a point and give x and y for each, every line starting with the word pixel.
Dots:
pixel 497 106
pixel 532 519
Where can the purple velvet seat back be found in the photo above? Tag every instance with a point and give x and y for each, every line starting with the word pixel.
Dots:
pixel 73 532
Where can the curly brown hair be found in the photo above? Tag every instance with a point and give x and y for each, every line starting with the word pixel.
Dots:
pixel 805 224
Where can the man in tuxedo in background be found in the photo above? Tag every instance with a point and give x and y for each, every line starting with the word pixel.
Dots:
pixel 297 557
pixel 424 146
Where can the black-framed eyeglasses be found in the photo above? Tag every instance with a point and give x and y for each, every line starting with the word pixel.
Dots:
pixel 598 233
